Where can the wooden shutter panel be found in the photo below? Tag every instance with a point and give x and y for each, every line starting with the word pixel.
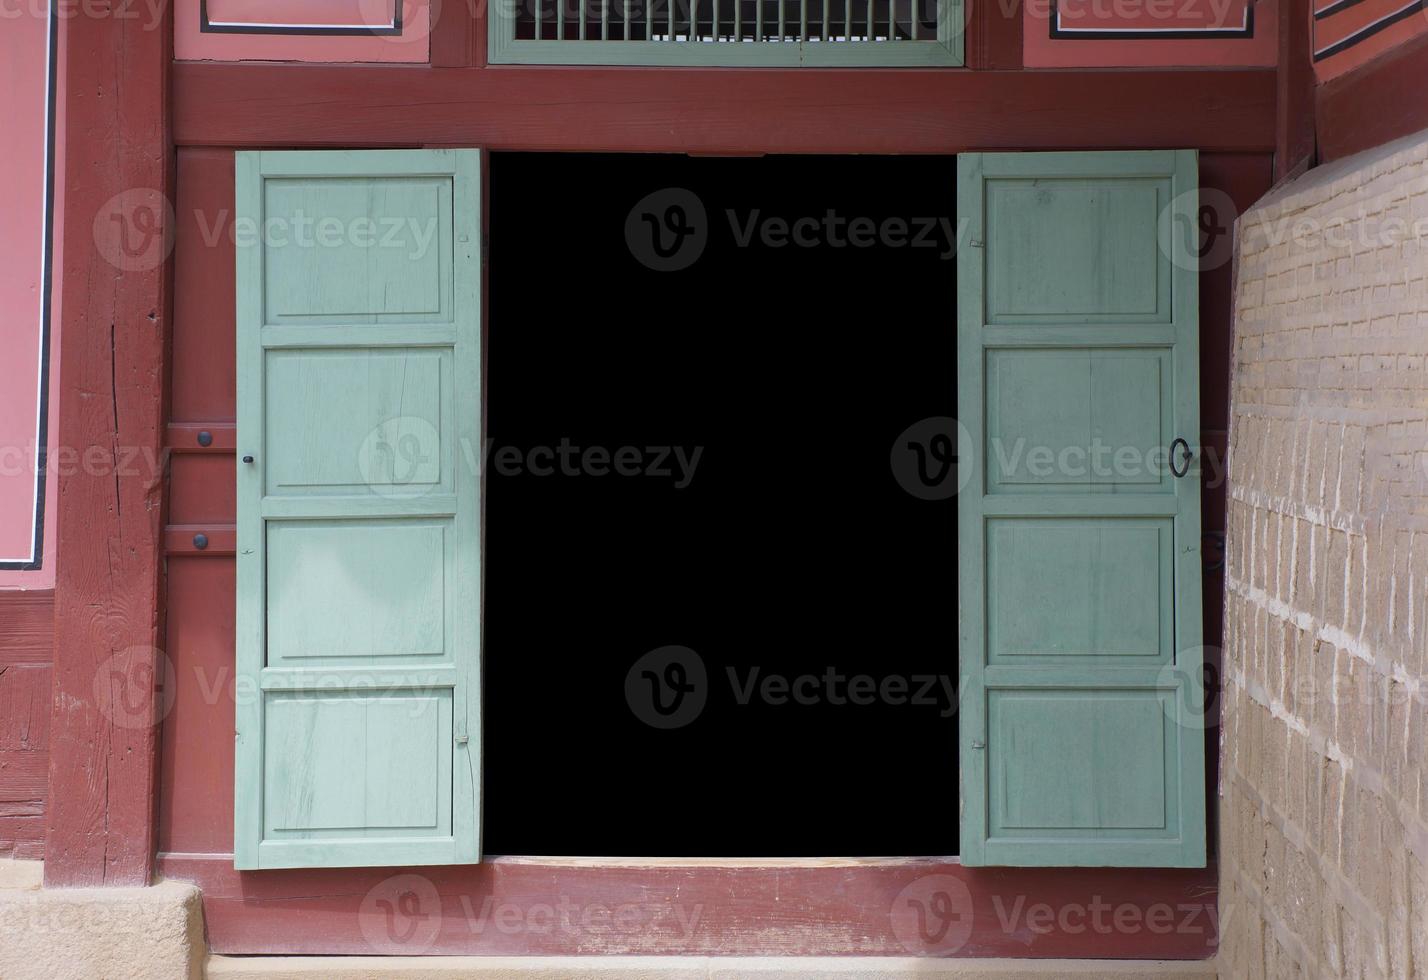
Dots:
pixel 359 581
pixel 1080 596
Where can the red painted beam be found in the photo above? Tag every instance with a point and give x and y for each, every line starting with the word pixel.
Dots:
pixel 118 171
pixel 655 110
pixel 1375 103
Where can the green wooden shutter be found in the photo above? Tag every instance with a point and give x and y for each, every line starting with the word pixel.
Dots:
pixel 1080 597
pixel 359 580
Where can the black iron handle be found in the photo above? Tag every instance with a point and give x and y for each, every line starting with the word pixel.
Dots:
pixel 1189 455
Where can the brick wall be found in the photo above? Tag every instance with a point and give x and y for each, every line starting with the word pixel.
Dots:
pixel 1324 791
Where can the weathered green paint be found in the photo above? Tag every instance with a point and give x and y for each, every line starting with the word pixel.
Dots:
pixel 359 575
pixel 1079 553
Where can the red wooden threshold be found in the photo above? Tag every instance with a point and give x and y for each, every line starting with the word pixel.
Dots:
pixel 852 907
pixel 641 110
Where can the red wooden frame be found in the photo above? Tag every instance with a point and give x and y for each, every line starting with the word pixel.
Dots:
pixel 1375 103
pixel 513 906
pixel 118 160
pixel 1294 122
pixel 664 110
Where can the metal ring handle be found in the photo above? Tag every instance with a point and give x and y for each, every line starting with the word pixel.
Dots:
pixel 1188 456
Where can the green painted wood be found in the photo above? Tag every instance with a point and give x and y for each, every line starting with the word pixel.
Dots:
pixel 359 577
pixel 1079 552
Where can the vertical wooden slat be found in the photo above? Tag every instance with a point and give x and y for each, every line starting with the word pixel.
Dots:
pixel 560 20
pixel 113 337
pixel 604 20
pixel 584 13
pixel 802 21
pixel 826 8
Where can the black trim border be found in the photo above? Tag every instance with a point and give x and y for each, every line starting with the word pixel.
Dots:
pixel 1368 31
pixel 394 30
pixel 42 426
pixel 1059 33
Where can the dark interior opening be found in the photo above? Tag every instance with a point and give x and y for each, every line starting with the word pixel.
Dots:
pixel 720 613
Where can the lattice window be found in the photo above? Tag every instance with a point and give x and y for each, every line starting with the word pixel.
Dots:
pixel 753 33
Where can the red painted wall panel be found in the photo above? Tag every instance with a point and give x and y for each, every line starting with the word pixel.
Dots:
pixel 26 655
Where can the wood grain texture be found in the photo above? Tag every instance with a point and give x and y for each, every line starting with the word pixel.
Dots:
pixel 714 111
pixel 27 628
pixel 26 653
pixel 103 762
pixel 994 35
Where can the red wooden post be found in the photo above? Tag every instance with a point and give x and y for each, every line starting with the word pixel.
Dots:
pixel 1294 124
pixel 118 180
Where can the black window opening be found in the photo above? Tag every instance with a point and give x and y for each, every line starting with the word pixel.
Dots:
pixel 720 613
